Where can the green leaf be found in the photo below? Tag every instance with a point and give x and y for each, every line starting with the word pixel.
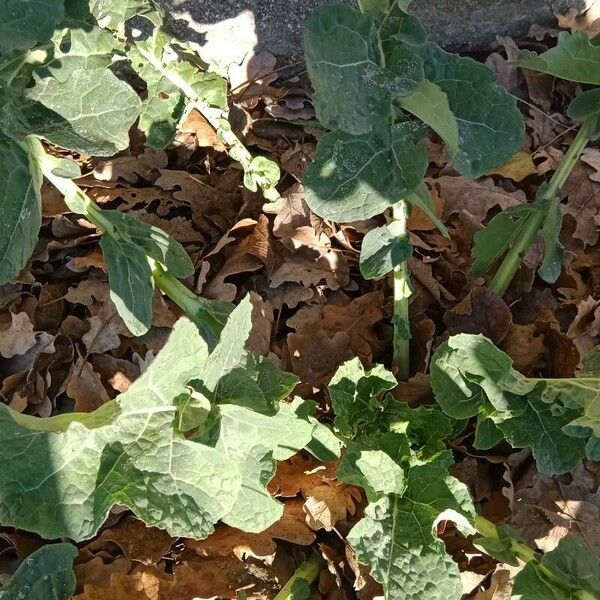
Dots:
pixel 356 177
pixel 576 58
pixel 373 470
pixel 400 26
pixel 47 574
pixel 396 537
pixel 585 105
pixel 155 242
pixel 210 317
pixel 381 251
pixel 576 573
pixel 490 126
pixel 251 442
pixel 430 104
pixel 498 236
pixel 421 198
pixel 355 396
pixel 20 207
pixel 112 14
pixel 470 376
pixel 230 352
pixel 590 365
pixel 554 252
pixel 130 281
pixel 343 58
pixel 75 467
pixel 126 247
pixel 24 23
pixel 87 111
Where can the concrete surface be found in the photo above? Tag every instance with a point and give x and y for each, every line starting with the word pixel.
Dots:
pixel 228 29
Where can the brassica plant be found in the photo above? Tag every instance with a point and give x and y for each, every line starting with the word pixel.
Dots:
pixel 65 81
pixel 379 86
pixel 511 233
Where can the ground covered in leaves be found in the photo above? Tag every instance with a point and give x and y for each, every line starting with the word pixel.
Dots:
pixel 63 346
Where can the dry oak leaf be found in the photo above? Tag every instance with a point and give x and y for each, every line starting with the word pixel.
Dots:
pixel 586 19
pixel 554 507
pixel 481 311
pixel 137 541
pixel 103 334
pixel 526 348
pixel 585 328
pixel 291 212
pixel 583 202
pixel 300 474
pixel 251 253
pixel 327 504
pixel 19 337
pixel 85 387
pixel 131 168
pixel 474 197
pixel 225 540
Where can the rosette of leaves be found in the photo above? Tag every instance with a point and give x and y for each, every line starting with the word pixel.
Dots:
pixel 67 80
pixel 559 419
pixel 193 441
pixel 511 232
pixel 397 454
pixel 379 85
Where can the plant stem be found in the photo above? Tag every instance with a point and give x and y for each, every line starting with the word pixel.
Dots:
pixel 172 287
pixel 512 261
pixel 402 292
pixel 216 117
pixel 308 571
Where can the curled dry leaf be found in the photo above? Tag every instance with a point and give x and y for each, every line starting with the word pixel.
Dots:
pixel 19 337
pixel 85 387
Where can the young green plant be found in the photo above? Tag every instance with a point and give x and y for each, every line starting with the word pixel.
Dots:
pixel 58 85
pixel 512 232
pixel 398 455
pixel 378 84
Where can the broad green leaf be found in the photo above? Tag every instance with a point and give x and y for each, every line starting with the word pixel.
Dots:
pixel 396 537
pixel 576 574
pixel 356 177
pixel 126 248
pixel 558 419
pixel 355 396
pixel 373 470
pixel 554 252
pixel 498 236
pixel 252 442
pixel 130 281
pixel 75 467
pixel 230 352
pixel 585 105
pixel 400 26
pixel 430 104
pixel 381 251
pixel 490 126
pixel 24 23
pixel 155 242
pixel 590 365
pixel 376 5
pixel 47 574
pixel 112 14
pixel 343 58
pixel 403 69
pixel 88 111
pixel 576 57
pixel 20 207
pixel 209 316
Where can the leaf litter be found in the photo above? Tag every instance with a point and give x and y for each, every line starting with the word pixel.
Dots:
pixel 63 347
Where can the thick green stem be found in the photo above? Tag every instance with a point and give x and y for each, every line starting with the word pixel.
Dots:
pixel 402 292
pixel 172 287
pixel 308 571
pixel 512 261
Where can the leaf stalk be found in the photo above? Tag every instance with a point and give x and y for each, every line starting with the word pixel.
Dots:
pixel 533 223
pixel 308 571
pixel 402 291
